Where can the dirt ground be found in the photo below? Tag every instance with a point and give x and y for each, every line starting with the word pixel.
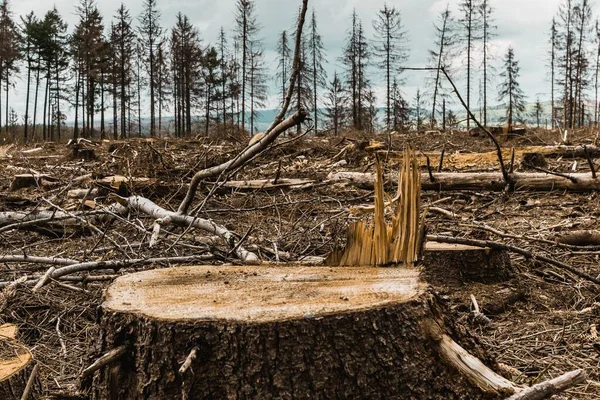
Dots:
pixel 543 321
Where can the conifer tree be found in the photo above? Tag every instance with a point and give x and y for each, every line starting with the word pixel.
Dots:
pixel 9 53
pixel 150 35
pixel 316 55
pixel 336 105
pixel 390 49
pixel 445 40
pixel 469 35
pixel 284 63
pixel 246 29
pixel 509 90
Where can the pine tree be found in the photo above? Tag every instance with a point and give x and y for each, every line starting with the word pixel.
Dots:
pixel 150 35
pixel 596 73
pixel 553 51
pixel 9 52
pixel 445 40
pixel 212 82
pixel 30 25
pixel 583 19
pixel 284 63
pixel 247 29
pixel 509 90
pixel 390 49
pixel 257 79
pixel 355 59
pixel 538 110
pixel 469 34
pixel 186 59
pixel 316 55
pixel 487 34
pixel 336 105
pixel 88 45
pixel 401 109
pixel 123 46
pixel 418 110
pixel 163 81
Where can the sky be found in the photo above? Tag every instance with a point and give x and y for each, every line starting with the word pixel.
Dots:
pixel 522 24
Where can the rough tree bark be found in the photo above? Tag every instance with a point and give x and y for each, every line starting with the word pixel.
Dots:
pixel 284 332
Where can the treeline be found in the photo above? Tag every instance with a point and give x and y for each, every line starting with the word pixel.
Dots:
pixel 110 72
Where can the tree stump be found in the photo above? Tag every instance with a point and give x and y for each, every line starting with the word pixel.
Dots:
pixel 16 366
pixel 456 264
pixel 210 332
pixel 534 160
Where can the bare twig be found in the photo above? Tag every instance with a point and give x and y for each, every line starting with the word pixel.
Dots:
pixel 30 382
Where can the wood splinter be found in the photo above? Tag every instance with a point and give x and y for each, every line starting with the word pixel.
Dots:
pixel 105 360
pixel 188 361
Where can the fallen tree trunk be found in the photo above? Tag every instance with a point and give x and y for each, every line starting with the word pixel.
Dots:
pixel 284 332
pixel 577 182
pixel 580 238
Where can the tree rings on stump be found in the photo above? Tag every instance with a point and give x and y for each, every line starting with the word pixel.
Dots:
pixel 16 365
pixel 456 264
pixel 210 332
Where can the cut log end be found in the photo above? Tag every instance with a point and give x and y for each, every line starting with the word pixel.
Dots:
pixel 277 332
pixel 16 367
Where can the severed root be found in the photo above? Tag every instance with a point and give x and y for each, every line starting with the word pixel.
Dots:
pixel 546 389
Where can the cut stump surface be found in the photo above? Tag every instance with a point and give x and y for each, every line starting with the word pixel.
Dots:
pixel 278 332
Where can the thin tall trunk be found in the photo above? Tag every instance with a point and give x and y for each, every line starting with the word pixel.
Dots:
pixel 25 137
pixel 485 71
pixel 115 110
pixel 76 127
pixel 439 67
pixel 102 122
pixel 35 101
pixel 46 96
pixel 469 40
pixel 244 59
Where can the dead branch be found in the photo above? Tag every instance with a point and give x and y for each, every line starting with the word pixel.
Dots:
pixel 118 264
pixel 546 389
pixel 146 206
pixel 37 260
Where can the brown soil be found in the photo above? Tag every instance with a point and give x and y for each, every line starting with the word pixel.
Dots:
pixel 543 319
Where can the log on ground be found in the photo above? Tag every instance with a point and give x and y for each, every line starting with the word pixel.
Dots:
pixel 283 332
pixel 576 182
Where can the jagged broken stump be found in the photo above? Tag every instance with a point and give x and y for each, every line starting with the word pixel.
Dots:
pixel 284 332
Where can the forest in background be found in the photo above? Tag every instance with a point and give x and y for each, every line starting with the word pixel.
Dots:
pixel 123 75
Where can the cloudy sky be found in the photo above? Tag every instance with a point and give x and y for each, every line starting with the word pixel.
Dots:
pixel 524 24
